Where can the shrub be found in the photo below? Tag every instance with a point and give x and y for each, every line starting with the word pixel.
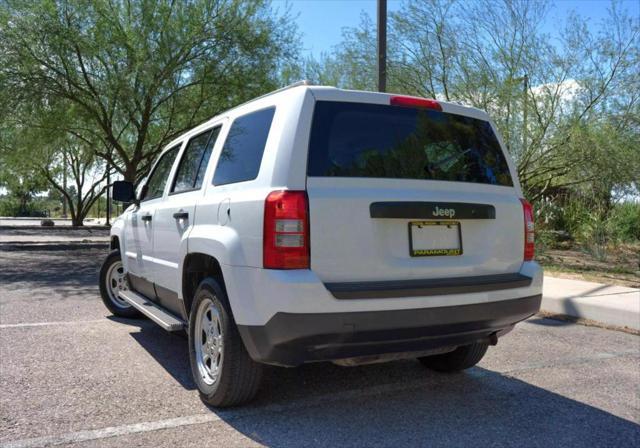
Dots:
pixel 625 222
pixel 573 217
pixel 595 234
pixel 8 206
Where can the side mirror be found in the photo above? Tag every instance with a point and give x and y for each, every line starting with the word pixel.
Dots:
pixel 122 191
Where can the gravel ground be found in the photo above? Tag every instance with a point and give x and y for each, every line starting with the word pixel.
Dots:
pixel 70 374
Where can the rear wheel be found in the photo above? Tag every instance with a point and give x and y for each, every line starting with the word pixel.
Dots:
pixel 222 369
pixel 464 357
pixel 113 279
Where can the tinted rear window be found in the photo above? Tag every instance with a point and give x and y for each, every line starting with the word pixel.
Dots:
pixel 370 140
pixel 242 153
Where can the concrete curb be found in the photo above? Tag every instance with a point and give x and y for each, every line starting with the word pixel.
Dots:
pixel 53 245
pixel 85 228
pixel 615 306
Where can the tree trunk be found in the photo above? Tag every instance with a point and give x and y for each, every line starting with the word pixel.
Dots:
pixel 77 215
pixel 130 173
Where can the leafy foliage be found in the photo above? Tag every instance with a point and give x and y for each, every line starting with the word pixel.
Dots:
pixel 96 86
pixel 141 72
pixel 572 121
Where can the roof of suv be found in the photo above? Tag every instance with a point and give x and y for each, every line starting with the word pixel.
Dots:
pixel 325 93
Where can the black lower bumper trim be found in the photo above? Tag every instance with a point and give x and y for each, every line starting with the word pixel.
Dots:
pixel 427 287
pixel 292 339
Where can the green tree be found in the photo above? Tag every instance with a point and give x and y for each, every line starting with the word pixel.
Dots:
pixel 19 181
pixel 21 187
pixel 140 72
pixel 60 160
pixel 477 53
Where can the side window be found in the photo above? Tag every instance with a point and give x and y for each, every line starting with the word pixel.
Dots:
pixel 242 153
pixel 158 179
pixel 194 161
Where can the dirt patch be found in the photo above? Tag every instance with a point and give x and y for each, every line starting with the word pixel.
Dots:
pixel 621 266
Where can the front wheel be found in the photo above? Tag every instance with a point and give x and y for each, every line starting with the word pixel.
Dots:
pixel 113 279
pixel 222 369
pixel 463 357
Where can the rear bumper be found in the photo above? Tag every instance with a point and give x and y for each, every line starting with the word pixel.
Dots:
pixel 290 339
pixel 257 295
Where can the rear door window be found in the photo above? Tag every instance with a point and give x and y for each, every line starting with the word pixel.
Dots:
pixel 371 140
pixel 242 153
pixel 194 161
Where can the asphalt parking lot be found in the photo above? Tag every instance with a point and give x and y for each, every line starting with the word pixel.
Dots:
pixel 72 375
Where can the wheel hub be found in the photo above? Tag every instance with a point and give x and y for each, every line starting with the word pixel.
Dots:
pixel 116 282
pixel 208 340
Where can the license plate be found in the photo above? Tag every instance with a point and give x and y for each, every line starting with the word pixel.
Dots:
pixel 434 238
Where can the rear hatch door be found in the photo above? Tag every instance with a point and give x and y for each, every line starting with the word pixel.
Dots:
pixel 401 193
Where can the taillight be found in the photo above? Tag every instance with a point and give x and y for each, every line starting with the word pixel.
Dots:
pixel 412 101
pixel 529 238
pixel 286 230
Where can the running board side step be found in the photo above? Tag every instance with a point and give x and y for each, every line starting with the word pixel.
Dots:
pixel 159 315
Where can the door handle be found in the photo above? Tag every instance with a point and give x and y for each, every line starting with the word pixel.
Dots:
pixel 146 218
pixel 181 215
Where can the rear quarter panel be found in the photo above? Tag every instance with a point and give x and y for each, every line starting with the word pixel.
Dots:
pixel 229 218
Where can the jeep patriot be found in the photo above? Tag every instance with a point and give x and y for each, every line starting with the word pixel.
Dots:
pixel 320 224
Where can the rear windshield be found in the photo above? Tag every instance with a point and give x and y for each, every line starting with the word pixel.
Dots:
pixel 371 140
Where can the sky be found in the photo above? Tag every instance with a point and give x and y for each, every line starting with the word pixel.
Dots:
pixel 321 21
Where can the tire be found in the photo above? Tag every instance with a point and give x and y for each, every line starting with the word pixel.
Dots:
pixel 112 279
pixel 464 357
pixel 222 369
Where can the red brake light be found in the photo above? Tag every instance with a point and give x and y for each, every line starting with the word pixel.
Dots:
pixel 286 230
pixel 412 101
pixel 529 235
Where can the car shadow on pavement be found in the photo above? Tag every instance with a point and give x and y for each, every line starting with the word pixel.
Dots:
pixel 400 404
pixel 170 350
pixel 403 404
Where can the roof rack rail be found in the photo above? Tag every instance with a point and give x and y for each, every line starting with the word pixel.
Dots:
pixel 302 82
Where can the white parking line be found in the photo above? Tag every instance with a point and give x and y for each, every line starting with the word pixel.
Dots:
pixel 197 419
pixel 113 431
pixel 46 324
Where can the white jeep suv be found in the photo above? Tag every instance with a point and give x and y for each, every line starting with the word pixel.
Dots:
pixel 320 224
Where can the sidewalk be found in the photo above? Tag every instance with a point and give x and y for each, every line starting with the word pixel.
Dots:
pixel 35 222
pixel 617 306
pixel 43 236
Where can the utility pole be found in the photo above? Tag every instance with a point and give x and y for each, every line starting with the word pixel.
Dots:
pixel 64 183
pixel 525 105
pixel 108 195
pixel 382 45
